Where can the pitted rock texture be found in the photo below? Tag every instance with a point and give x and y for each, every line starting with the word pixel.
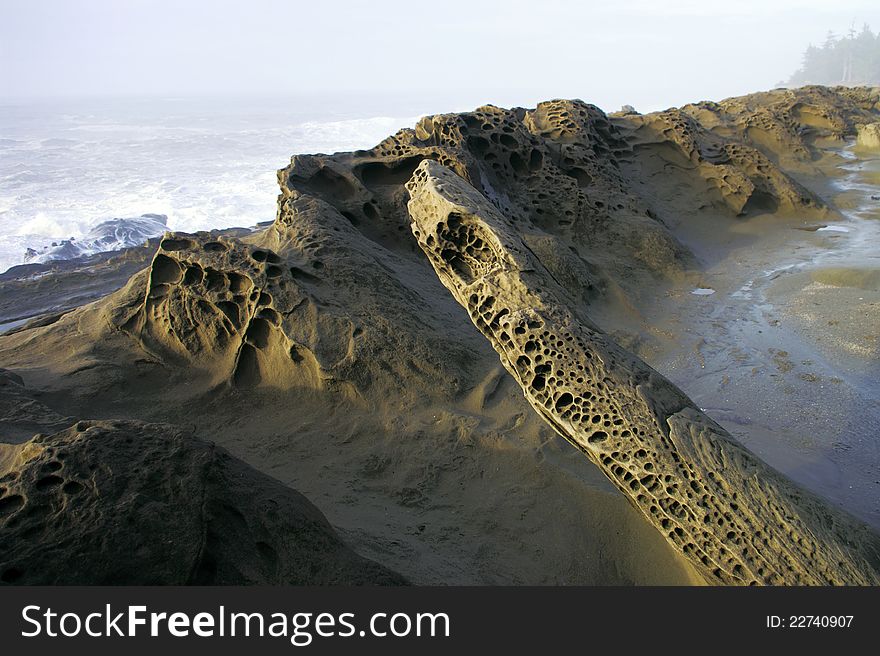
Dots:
pixel 869 136
pixel 581 186
pixel 129 503
pixel 214 303
pixel 741 177
pixel 785 124
pixel 734 518
pixel 553 170
pixel 265 310
pixel 328 339
pixel 273 310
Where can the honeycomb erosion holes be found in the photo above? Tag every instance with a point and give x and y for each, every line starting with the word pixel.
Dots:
pixel 216 301
pixel 333 318
pixel 133 503
pixel 736 519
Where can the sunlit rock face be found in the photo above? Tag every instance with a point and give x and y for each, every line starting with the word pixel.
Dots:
pixel 869 136
pixel 340 338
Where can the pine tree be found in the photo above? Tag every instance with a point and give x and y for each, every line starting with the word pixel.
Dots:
pixel 852 59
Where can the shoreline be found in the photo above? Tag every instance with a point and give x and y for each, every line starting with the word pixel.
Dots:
pixel 774 357
pixel 327 352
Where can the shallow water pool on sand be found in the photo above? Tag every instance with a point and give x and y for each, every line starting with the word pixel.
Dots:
pixel 786 354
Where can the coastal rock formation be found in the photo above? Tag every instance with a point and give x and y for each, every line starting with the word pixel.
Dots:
pixel 553 170
pixel 743 178
pixel 39 293
pixel 325 350
pixel 737 520
pixel 212 302
pixel 869 136
pixel 788 124
pixel 273 310
pixel 124 502
pixel 577 184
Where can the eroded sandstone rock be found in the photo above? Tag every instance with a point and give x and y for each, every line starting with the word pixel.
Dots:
pixel 334 308
pixel 308 304
pixel 129 503
pixel 786 124
pixel 743 178
pixel 737 520
pixel 869 136
pixel 215 303
pixel 270 309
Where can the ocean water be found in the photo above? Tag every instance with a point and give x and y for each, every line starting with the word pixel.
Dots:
pixel 68 167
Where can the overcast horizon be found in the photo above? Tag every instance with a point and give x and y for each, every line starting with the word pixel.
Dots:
pixel 510 52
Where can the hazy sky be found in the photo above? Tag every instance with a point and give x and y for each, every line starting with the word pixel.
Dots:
pixel 650 53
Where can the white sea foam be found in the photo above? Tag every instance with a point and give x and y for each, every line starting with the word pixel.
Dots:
pixel 109 235
pixel 62 173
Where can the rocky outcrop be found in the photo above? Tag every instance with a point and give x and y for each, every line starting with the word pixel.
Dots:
pixel 737 520
pixel 787 125
pixel 217 303
pixel 306 304
pixel 328 338
pixel 129 503
pixel 739 176
pixel 869 136
pixel 580 186
pixel 553 170
pixel 567 175
pixel 40 293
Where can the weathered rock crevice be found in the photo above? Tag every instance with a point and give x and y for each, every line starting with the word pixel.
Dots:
pixel 737 520
pixel 328 338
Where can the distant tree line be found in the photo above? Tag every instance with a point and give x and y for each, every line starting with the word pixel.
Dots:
pixel 853 58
